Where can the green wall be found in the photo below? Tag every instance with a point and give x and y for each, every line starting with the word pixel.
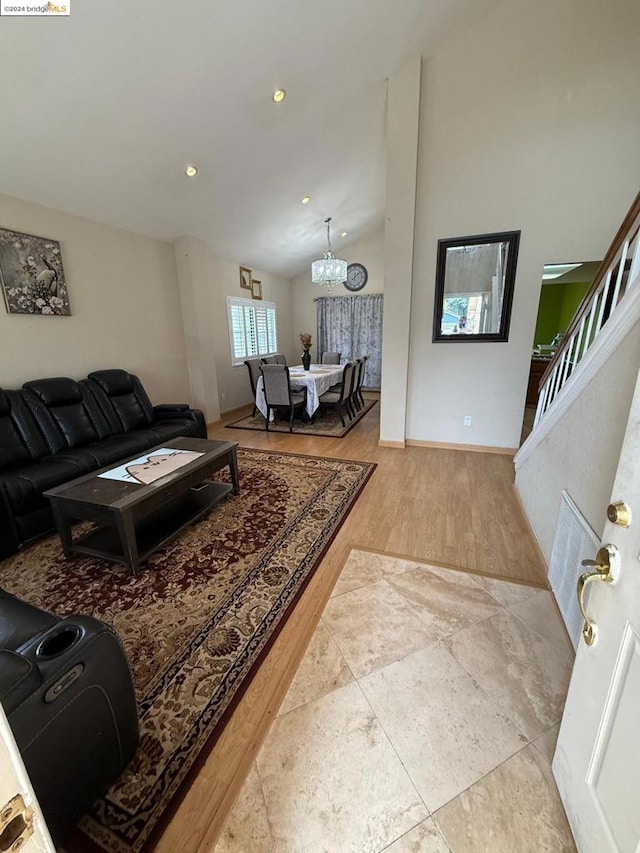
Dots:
pixel 558 304
pixel 548 314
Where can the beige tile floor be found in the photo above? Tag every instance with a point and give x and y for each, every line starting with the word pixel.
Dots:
pixel 422 719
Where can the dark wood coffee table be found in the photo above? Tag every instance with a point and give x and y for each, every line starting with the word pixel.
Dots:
pixel 135 519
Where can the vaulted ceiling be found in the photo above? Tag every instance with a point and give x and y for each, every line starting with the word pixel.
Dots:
pixel 101 111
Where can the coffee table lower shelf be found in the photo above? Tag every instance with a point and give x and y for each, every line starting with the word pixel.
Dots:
pixel 156 529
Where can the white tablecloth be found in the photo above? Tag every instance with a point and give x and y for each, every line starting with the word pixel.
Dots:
pixel 318 379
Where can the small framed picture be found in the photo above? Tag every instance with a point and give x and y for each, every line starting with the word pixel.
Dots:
pixel 245 278
pixel 256 289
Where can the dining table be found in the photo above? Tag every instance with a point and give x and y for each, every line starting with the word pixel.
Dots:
pixel 318 379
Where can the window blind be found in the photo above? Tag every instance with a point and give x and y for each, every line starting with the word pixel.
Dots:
pixel 252 328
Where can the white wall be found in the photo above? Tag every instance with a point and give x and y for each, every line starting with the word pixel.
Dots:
pixel 233 382
pixel 368 250
pixel 403 115
pixel 528 121
pixel 581 452
pixel 124 302
pixel 205 280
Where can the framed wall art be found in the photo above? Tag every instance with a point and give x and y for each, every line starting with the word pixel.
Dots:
pixel 245 278
pixel 31 275
pixel 256 289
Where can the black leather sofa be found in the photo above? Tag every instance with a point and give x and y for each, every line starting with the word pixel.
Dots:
pixel 53 430
pixel 66 689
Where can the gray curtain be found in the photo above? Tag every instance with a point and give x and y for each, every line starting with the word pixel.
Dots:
pixel 352 325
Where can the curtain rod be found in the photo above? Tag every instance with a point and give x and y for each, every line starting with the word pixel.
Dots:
pixel 353 296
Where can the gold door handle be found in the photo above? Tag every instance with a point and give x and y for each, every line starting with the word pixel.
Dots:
pixel 604 569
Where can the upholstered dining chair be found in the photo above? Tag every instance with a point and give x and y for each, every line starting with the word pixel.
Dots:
pixel 331 357
pixel 278 393
pixel 363 370
pixel 253 366
pixel 278 358
pixel 339 396
pixel 358 371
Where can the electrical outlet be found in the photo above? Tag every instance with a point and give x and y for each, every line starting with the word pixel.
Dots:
pixel 223 396
pixel 467 420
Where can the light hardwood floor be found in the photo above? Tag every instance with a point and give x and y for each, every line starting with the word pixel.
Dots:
pixel 449 507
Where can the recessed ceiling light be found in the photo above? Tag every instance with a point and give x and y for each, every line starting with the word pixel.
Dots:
pixel 344 233
pixel 191 171
pixel 305 199
pixel 279 95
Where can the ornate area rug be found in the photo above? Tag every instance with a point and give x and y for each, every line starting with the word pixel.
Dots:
pixel 198 618
pixel 328 425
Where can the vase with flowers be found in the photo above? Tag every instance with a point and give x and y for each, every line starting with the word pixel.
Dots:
pixel 305 340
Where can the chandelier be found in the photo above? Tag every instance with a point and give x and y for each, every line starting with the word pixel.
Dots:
pixel 328 270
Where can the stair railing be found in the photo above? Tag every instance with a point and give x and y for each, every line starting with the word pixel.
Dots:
pixel 617 275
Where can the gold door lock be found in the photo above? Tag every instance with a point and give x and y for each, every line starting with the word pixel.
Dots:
pixel 605 568
pixel 619 513
pixel 16 824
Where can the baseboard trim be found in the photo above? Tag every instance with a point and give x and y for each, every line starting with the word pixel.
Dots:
pixel 399 445
pixel 475 448
pixel 234 413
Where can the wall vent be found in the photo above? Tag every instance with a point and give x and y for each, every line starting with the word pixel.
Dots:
pixel 574 541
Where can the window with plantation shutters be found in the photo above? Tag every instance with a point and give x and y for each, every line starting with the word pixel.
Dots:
pixel 252 328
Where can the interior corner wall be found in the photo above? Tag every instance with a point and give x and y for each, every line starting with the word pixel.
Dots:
pixel 368 250
pixel 233 382
pixel 526 123
pixel 403 114
pixel 205 282
pixel 581 452
pixel 124 301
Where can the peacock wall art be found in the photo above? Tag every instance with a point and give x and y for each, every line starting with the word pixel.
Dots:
pixel 31 275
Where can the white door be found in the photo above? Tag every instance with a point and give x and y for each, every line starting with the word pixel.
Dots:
pixel 597 760
pixel 14 816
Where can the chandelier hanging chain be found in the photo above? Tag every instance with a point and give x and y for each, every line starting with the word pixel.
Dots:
pixel 328 222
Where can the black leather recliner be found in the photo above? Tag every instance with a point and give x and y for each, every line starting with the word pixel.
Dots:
pixel 66 689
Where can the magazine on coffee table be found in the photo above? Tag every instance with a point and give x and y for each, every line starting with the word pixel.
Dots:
pixel 147 469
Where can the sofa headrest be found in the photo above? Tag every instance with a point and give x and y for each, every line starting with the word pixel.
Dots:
pixel 57 391
pixel 5 406
pixel 113 382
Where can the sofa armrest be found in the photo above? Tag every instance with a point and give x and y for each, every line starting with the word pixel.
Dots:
pixel 18 679
pixel 171 407
pixel 194 415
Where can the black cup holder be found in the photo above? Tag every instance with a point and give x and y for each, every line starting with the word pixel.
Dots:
pixel 57 642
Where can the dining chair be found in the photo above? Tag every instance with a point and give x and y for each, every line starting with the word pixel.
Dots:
pixel 357 374
pixel 359 381
pixel 331 357
pixel 278 393
pixel 253 366
pixel 339 397
pixel 278 358
pixel 363 370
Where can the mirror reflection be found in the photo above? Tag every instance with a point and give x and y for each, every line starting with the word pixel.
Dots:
pixel 474 287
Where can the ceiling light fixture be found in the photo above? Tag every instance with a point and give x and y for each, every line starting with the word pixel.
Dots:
pixel 344 233
pixel 191 171
pixel 305 199
pixel 279 95
pixel 328 270
pixel 556 270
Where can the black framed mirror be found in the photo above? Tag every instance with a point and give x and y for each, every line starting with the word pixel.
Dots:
pixel 474 287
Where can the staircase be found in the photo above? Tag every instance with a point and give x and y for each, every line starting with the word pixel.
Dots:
pixel 605 315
